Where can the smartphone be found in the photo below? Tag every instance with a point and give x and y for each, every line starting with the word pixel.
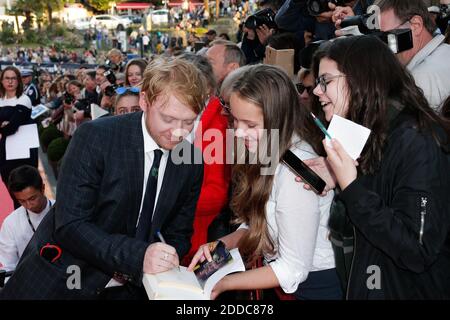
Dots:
pixel 302 170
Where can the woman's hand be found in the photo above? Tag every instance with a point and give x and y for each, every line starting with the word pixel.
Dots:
pixel 203 253
pixel 320 166
pixel 343 166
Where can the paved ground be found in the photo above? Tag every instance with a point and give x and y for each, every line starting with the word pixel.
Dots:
pixel 6 204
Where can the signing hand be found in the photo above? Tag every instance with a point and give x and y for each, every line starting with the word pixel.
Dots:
pixel 321 167
pixel 343 166
pixel 160 257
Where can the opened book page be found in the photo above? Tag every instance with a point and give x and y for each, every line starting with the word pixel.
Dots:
pixel 186 285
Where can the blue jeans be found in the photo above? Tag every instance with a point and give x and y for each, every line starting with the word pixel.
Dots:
pixel 320 285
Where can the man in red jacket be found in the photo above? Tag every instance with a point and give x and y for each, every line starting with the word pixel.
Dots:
pixel 224 57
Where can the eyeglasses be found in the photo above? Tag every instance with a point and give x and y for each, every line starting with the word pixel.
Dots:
pixel 301 88
pixel 324 81
pixel 225 106
pixel 122 90
pixel 8 79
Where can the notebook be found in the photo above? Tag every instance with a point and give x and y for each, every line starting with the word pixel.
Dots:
pixel 187 285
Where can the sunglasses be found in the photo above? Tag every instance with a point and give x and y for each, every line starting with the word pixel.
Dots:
pixel 122 90
pixel 301 88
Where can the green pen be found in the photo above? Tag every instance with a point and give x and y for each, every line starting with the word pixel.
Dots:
pixel 320 125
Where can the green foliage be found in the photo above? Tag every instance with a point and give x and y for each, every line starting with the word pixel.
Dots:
pixel 7 34
pixel 57 148
pixel 48 135
pixel 100 5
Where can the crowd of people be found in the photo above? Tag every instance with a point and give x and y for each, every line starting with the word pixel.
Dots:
pixel 135 172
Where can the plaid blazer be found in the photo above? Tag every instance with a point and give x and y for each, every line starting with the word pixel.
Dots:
pixel 97 205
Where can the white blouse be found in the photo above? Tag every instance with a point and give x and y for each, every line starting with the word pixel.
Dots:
pixel 23 100
pixel 298 225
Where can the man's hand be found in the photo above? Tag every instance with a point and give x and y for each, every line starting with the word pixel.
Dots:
pixel 79 115
pixel 340 13
pixel 327 15
pixel 264 33
pixel 160 257
pixel 250 33
pixel 104 84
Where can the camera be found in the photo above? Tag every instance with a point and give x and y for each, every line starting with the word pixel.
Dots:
pixel 316 7
pixel 82 104
pixel 264 16
pixel 68 98
pixel 110 91
pixel 112 65
pixel 398 40
pixel 444 10
pixel 110 76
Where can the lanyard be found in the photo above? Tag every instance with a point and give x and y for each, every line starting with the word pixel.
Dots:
pixel 29 220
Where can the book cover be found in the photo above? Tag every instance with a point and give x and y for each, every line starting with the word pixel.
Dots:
pixel 182 284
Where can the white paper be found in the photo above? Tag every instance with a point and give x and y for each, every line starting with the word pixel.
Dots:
pixel 350 135
pixel 97 112
pixel 18 145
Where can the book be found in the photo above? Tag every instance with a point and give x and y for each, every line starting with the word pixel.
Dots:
pixel 182 284
pixel 352 136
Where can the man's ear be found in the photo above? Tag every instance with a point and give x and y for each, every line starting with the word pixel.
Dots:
pixel 143 101
pixel 232 66
pixel 417 25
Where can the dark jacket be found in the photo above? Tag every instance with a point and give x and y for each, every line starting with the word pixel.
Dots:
pixel 94 221
pixel 388 211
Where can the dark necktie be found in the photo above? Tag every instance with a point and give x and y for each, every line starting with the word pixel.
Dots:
pixel 145 220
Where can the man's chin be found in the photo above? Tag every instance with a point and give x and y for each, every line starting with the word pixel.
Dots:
pixel 167 144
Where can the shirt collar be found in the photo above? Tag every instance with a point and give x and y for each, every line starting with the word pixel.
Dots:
pixel 425 51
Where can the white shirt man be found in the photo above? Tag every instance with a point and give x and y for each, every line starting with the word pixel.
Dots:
pixel 18 228
pixel 16 232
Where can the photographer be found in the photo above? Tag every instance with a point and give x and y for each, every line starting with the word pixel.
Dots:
pixel 88 95
pixel 116 61
pixel 70 97
pixel 257 29
pixel 427 60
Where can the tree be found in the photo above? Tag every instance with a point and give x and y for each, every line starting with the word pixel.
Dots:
pixel 51 5
pixel 26 7
pixel 100 5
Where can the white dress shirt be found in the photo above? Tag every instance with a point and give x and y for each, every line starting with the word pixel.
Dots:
pixel 149 147
pixel 431 71
pixel 298 226
pixel 16 232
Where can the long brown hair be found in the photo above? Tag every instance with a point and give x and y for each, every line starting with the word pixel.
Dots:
pixel 19 89
pixel 269 88
pixel 376 79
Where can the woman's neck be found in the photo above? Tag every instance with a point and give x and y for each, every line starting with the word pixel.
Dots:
pixel 10 94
